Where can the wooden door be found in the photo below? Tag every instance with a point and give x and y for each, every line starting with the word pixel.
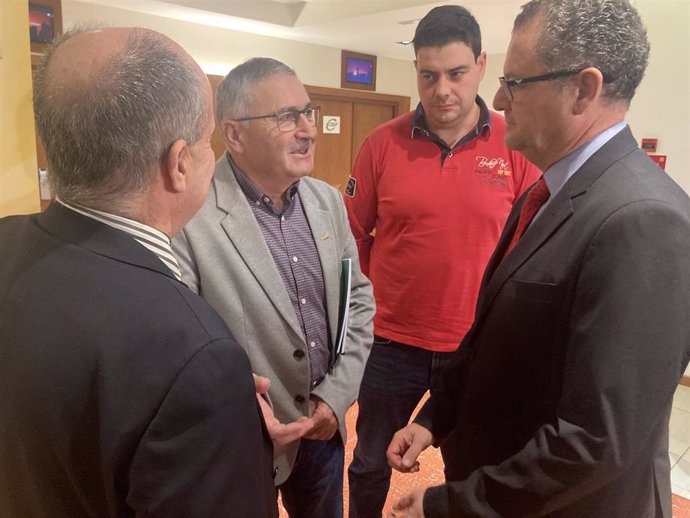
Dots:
pixel 360 113
pixel 333 151
pixel 367 117
pixel 217 139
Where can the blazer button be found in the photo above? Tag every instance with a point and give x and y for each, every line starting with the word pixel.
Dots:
pixel 298 354
pixel 299 398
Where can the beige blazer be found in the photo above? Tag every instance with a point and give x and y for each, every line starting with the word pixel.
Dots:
pixel 224 258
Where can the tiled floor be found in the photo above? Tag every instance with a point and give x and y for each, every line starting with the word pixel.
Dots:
pixel 431 472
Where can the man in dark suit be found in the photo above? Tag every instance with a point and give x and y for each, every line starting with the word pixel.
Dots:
pixel 122 393
pixel 560 395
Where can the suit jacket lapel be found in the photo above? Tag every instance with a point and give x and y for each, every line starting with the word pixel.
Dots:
pixel 325 239
pixel 242 229
pixel 558 211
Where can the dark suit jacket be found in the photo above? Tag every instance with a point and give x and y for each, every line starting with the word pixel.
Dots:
pixel 121 392
pixel 561 392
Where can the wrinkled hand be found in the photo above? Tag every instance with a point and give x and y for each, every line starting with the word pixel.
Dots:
pixel 280 433
pixel 410 506
pixel 406 446
pixel 325 421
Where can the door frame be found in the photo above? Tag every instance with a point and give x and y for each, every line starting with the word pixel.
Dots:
pixel 400 103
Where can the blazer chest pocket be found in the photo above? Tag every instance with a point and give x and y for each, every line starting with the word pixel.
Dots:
pixel 535 292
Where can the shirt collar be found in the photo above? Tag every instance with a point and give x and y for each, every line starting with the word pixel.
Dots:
pixel 253 193
pixel 419 124
pixel 151 238
pixel 559 173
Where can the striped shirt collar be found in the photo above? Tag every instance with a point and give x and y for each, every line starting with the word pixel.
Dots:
pixel 152 239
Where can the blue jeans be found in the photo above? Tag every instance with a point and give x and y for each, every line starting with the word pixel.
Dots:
pixel 395 379
pixel 314 488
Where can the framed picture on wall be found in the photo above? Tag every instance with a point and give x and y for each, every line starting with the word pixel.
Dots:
pixel 45 23
pixel 358 71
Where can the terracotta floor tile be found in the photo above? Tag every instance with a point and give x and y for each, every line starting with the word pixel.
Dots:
pixel 431 473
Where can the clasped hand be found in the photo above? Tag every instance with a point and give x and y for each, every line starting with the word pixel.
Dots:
pixel 321 424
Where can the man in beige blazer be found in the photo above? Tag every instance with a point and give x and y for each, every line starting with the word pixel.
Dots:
pixel 272 252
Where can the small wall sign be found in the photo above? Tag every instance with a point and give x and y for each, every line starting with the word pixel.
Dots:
pixel 331 124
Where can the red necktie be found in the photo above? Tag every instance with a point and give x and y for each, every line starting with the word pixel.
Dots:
pixel 536 197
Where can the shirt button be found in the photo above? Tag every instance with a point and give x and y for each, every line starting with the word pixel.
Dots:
pixel 282 218
pixel 294 259
pixel 312 344
pixel 266 199
pixel 450 154
pixel 303 301
pixel 258 202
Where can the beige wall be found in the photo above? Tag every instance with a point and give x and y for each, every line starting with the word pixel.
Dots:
pixel 18 173
pixel 661 106
pixel 219 50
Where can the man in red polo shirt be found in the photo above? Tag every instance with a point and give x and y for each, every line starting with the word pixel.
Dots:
pixel 436 185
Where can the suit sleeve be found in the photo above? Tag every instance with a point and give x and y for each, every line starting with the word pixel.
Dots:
pixel 205 453
pixel 362 204
pixel 340 388
pixel 626 349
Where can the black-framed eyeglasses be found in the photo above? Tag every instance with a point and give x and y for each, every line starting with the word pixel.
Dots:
pixel 288 120
pixel 507 84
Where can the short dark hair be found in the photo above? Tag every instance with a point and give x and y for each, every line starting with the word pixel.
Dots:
pixel 606 34
pixel 448 24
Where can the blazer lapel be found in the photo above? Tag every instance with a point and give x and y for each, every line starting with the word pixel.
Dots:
pixel 242 229
pixel 325 239
pixel 556 212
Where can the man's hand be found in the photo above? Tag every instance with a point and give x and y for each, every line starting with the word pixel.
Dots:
pixel 325 422
pixel 280 433
pixel 410 506
pixel 406 446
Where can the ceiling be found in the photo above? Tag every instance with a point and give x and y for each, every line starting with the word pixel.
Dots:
pixel 368 26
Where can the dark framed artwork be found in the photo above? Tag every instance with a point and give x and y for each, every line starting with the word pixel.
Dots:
pixel 358 71
pixel 45 23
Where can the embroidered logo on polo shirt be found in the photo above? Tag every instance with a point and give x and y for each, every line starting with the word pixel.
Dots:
pixel 494 171
pixel 351 187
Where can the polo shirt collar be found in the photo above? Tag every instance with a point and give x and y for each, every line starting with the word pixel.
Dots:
pixel 419 124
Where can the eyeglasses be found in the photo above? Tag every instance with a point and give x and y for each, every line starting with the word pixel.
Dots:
pixel 288 120
pixel 507 84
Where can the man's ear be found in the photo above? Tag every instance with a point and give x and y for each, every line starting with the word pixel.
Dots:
pixel 232 131
pixel 176 165
pixel 481 63
pixel 589 83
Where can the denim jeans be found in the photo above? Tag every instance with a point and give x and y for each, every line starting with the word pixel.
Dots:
pixel 395 379
pixel 314 488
